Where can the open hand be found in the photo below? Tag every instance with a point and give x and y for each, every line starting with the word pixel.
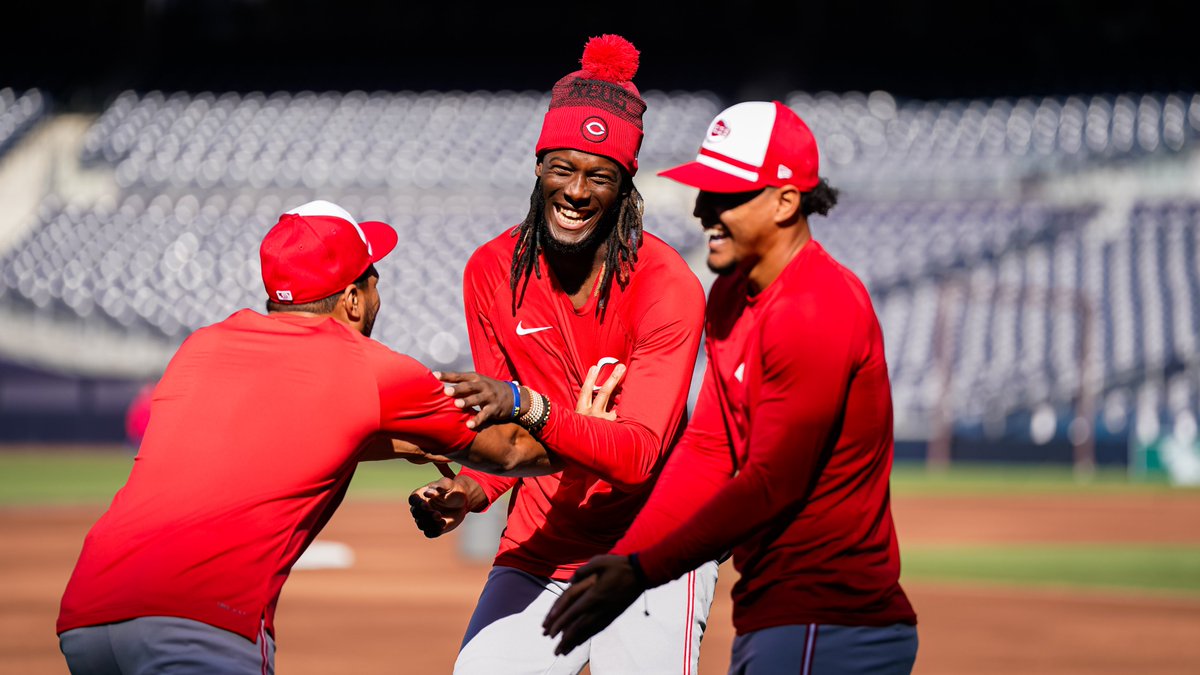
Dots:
pixel 593 402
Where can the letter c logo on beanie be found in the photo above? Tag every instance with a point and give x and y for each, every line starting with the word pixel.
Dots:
pixel 594 129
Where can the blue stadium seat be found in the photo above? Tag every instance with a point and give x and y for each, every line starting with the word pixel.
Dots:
pixel 978 285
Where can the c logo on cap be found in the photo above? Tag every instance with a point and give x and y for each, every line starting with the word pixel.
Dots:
pixel 718 131
pixel 594 129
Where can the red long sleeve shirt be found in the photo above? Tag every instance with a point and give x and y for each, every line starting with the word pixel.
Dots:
pixel 653 326
pixel 787 457
pixel 255 431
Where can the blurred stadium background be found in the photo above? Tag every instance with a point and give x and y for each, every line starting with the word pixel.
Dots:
pixel 1020 192
pixel 1023 205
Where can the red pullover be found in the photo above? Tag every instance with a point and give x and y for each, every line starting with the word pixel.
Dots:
pixel 653 326
pixel 787 458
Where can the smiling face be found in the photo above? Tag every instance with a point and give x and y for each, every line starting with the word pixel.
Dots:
pixel 580 191
pixel 739 226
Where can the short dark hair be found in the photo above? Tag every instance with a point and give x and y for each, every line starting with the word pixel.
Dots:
pixel 818 200
pixel 324 305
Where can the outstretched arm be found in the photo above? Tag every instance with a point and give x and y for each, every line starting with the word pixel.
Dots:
pixel 386 446
pixel 508 449
pixel 443 504
pixel 501 450
pixel 625 450
pixel 793 420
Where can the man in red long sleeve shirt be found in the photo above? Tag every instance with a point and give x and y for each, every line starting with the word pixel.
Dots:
pixel 556 303
pixel 254 433
pixel 788 454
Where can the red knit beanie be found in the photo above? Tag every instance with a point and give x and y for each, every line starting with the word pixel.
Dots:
pixel 598 110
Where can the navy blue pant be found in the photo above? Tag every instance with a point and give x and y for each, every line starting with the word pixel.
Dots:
pixel 821 649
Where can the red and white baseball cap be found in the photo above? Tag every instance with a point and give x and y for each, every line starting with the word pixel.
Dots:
pixel 317 249
pixel 752 145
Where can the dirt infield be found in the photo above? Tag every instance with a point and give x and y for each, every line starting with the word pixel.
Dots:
pixel 403 605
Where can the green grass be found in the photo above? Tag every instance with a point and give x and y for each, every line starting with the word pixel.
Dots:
pixel 1157 567
pixel 388 480
pixel 914 479
pixel 62 477
pixel 73 476
pixel 41 477
pixel 31 476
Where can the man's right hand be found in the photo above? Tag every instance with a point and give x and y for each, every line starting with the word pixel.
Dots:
pixel 593 401
pixel 443 504
pixel 493 398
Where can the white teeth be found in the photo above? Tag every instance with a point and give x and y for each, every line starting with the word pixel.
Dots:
pixel 714 233
pixel 570 214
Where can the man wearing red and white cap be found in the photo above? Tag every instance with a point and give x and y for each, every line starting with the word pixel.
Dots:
pixel 787 456
pixel 575 292
pixel 254 433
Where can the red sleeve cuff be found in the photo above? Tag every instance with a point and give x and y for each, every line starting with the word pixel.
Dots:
pixel 492 486
pixel 657 567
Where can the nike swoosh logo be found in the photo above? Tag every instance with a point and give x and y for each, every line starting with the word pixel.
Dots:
pixel 521 330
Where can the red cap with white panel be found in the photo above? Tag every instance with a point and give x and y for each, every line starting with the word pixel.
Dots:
pixel 750 146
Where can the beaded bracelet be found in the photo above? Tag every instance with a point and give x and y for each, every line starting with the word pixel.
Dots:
pixel 534 411
pixel 539 411
pixel 516 391
pixel 542 418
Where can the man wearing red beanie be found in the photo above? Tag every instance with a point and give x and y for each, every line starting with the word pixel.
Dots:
pixel 565 304
pixel 254 433
pixel 788 454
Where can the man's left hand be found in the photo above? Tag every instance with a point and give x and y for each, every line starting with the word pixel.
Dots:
pixel 599 592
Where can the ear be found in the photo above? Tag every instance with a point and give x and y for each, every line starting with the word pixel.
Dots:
pixel 787 203
pixel 537 171
pixel 353 303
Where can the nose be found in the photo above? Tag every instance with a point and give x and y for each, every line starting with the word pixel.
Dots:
pixel 577 189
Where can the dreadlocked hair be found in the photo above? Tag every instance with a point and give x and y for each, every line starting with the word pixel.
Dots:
pixel 623 241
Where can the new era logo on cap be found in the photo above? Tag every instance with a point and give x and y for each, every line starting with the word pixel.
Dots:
pixel 750 146
pixel 317 249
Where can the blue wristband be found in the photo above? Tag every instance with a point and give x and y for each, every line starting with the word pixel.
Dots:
pixel 516 411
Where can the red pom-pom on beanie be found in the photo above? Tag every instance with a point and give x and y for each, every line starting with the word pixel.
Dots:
pixel 611 58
